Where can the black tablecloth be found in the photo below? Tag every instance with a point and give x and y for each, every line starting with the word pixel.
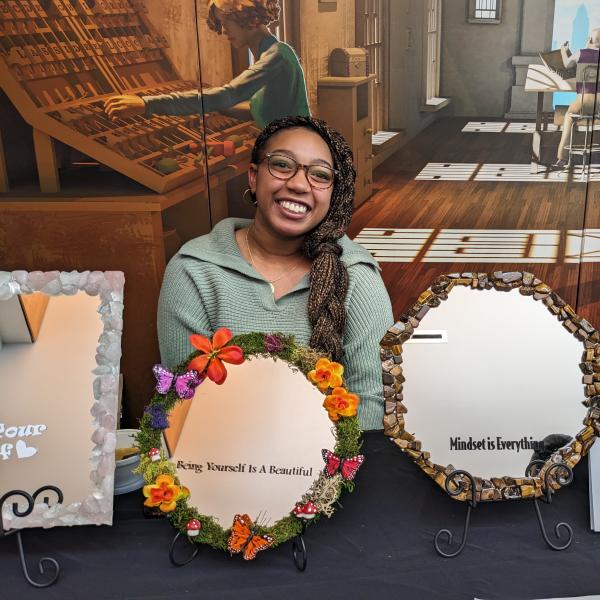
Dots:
pixel 379 544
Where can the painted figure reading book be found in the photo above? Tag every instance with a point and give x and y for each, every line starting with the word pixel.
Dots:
pixel 586 61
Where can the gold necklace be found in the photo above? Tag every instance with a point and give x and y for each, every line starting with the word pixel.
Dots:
pixel 269 281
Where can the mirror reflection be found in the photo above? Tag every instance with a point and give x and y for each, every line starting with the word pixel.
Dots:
pixel 47 357
pixel 252 445
pixel 505 376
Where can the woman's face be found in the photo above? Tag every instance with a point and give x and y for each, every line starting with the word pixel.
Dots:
pixel 236 34
pixel 292 207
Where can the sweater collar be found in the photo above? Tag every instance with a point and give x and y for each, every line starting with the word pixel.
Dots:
pixel 220 247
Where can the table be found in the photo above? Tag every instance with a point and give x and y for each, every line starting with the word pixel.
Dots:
pixel 379 545
pixel 542 80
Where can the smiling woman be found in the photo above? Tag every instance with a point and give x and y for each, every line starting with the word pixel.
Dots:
pixel 292 269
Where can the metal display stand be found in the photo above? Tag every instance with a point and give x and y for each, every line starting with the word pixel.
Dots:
pixel 455 485
pixel 299 553
pixel 191 556
pixel 45 561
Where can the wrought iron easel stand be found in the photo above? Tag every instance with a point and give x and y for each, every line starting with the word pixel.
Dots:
pixel 455 485
pixel 45 561
pixel 299 554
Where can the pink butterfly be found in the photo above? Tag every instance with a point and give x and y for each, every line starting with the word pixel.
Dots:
pixel 184 384
pixel 348 467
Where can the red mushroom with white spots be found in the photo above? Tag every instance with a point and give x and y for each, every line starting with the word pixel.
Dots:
pixel 154 454
pixel 306 511
pixel 193 527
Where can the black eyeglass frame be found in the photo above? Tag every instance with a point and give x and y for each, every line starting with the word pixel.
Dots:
pixel 298 165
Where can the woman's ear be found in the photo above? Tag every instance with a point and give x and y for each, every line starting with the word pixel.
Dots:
pixel 252 173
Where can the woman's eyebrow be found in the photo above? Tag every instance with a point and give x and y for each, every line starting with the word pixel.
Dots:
pixel 316 161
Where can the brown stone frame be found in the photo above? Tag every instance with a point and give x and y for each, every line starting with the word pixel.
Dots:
pixel 497 488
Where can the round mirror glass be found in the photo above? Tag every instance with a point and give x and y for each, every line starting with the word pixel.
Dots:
pixel 252 445
pixel 485 375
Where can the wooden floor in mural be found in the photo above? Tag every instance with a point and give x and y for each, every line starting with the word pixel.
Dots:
pixel 420 228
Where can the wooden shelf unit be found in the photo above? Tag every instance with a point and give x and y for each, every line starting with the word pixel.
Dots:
pixel 345 103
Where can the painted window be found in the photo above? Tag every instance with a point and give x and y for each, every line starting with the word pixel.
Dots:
pixel 432 74
pixel 371 34
pixel 485 11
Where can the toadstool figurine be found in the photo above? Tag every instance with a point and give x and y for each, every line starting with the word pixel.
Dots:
pixel 306 511
pixel 154 454
pixel 193 527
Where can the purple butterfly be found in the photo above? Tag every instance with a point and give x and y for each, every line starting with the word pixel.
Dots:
pixel 184 384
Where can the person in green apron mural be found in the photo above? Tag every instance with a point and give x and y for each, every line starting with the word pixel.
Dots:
pixel 274 84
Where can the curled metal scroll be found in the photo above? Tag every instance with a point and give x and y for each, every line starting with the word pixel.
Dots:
pixel 45 561
pixel 456 485
pixel 534 467
pixel 299 553
pixel 194 547
pixel 562 474
pixel 15 507
pixel 49 488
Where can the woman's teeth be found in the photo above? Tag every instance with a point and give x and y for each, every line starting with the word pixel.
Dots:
pixel 297 208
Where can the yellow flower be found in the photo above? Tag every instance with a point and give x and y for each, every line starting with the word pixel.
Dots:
pixel 326 374
pixel 164 493
pixel 341 403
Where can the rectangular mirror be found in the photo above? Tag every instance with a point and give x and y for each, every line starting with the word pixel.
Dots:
pixel 60 349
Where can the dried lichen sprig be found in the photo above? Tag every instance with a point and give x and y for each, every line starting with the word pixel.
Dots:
pixel 325 492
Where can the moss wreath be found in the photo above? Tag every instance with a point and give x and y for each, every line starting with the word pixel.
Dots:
pixel 320 499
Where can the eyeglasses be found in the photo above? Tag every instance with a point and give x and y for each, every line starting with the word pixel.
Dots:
pixel 283 167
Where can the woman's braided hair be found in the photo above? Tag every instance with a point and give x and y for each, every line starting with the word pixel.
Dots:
pixel 246 13
pixel 328 274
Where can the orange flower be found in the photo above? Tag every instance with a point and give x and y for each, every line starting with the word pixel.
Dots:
pixel 215 353
pixel 326 374
pixel 341 403
pixel 164 493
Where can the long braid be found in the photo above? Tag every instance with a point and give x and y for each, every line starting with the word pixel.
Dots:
pixel 328 274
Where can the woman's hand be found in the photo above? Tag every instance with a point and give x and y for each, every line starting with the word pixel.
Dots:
pixel 565 54
pixel 122 107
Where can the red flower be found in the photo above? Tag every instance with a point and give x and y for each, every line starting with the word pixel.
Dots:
pixel 215 353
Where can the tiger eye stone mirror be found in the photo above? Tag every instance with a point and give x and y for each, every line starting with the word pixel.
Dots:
pixel 485 373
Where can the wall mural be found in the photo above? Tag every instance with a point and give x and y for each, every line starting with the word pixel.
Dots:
pixel 131 122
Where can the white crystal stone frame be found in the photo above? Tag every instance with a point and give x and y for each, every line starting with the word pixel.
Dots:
pixel 97 508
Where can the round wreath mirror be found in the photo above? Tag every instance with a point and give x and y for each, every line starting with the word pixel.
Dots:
pixel 483 375
pixel 262 435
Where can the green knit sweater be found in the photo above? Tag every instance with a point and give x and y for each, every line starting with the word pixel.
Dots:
pixel 208 285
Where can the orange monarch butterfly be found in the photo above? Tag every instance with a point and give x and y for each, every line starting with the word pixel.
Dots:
pixel 244 538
